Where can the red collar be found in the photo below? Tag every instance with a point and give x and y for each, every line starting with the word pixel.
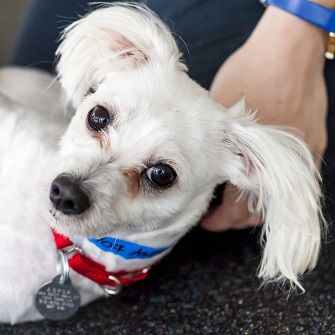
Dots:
pixel 111 282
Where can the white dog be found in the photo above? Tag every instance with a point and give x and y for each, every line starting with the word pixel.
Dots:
pixel 135 169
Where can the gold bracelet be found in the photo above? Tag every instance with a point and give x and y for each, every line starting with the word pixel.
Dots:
pixel 330 52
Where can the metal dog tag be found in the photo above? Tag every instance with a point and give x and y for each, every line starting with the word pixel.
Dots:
pixel 57 300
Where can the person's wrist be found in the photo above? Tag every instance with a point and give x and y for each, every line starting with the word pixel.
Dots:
pixel 281 32
pixel 326 3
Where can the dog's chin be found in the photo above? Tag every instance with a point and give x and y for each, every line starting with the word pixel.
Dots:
pixel 71 230
pixel 82 225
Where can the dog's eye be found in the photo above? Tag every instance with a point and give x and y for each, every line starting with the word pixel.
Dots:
pixel 161 175
pixel 98 118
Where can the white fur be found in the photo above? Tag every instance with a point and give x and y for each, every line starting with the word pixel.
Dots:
pixel 130 58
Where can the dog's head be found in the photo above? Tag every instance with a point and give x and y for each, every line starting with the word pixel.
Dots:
pixel 147 145
pixel 139 149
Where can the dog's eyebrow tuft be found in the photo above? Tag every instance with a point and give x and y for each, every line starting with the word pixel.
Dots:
pixel 133 175
pixel 102 138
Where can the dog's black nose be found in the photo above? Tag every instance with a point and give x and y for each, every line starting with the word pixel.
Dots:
pixel 67 196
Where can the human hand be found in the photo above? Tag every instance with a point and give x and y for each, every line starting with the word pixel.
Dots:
pixel 280 72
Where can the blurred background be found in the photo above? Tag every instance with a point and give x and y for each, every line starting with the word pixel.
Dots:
pixel 11 15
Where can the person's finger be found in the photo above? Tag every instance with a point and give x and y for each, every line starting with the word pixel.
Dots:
pixel 216 221
pixel 232 214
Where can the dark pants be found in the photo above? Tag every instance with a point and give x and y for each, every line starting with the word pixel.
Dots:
pixel 211 29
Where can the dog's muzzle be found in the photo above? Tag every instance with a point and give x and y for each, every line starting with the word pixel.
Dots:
pixel 67 195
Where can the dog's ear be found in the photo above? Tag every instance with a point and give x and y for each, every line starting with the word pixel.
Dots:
pixel 114 38
pixel 275 170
